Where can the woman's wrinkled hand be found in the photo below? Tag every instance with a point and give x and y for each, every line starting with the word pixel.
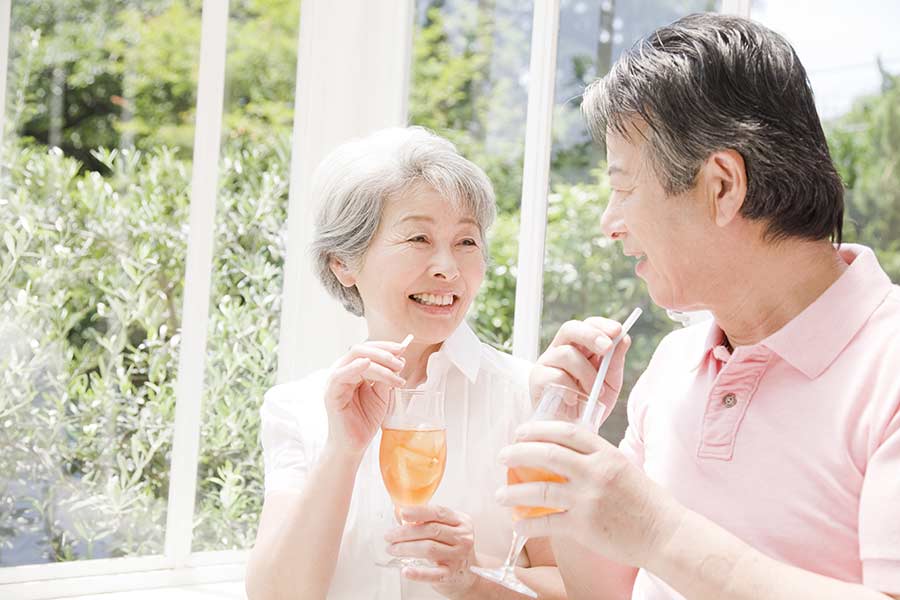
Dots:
pixel 441 535
pixel 357 392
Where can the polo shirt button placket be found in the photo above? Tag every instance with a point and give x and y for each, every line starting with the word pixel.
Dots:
pixel 729 400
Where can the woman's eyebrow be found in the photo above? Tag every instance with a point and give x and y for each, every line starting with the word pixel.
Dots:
pixel 427 219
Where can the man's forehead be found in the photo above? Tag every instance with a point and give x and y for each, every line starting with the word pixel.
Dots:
pixel 623 152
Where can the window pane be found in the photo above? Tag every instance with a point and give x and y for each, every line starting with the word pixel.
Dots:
pixel 95 192
pixel 855 75
pixel 251 223
pixel 469 84
pixel 585 274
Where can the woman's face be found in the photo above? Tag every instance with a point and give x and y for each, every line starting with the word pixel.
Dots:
pixel 422 270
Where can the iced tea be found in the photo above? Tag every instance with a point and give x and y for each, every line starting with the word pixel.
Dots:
pixel 412 463
pixel 527 475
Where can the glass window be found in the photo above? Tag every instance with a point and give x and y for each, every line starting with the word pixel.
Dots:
pixel 247 270
pixel 585 274
pixel 852 57
pixel 470 84
pixel 95 192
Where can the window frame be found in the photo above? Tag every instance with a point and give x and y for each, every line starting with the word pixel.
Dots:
pixel 380 66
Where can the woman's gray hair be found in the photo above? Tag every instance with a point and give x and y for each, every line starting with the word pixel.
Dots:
pixel 351 184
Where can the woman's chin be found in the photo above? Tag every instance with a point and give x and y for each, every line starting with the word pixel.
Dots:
pixel 435 324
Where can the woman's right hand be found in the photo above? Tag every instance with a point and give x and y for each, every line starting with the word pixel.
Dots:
pixel 356 396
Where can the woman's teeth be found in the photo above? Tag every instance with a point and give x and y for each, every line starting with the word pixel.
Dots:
pixel 432 300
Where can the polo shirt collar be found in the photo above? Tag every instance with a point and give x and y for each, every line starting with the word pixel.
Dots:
pixel 813 339
pixel 462 350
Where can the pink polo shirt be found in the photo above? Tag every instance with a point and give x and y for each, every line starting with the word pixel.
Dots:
pixel 792 444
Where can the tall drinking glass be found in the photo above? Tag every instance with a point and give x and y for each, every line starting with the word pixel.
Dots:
pixel 558 403
pixel 413 453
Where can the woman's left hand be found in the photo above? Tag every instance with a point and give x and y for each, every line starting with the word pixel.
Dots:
pixel 609 504
pixel 441 535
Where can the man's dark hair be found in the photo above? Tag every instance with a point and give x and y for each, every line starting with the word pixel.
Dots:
pixel 712 82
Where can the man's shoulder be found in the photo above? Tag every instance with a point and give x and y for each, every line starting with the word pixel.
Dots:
pixel 684 344
pixel 881 333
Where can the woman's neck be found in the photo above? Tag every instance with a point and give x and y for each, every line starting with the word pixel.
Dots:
pixel 417 356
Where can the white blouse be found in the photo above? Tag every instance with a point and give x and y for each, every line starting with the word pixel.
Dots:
pixel 486 398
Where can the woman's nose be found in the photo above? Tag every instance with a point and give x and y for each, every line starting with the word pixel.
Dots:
pixel 443 266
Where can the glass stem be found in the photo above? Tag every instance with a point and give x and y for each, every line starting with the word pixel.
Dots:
pixel 515 549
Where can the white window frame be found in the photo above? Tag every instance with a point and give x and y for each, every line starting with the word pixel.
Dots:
pixel 5 17
pixel 365 80
pixel 536 179
pixel 360 71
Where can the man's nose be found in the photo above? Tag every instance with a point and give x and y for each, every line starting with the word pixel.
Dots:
pixel 613 222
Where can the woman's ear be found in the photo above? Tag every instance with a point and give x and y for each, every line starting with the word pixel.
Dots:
pixel 342 272
pixel 727 176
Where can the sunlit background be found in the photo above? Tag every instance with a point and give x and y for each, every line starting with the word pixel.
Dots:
pixel 94 199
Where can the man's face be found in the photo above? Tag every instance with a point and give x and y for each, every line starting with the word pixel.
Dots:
pixel 669 235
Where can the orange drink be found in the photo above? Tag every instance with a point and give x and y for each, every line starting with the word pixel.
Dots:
pixel 412 463
pixel 526 475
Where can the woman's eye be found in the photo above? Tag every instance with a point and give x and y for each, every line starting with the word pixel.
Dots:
pixel 418 238
pixel 469 242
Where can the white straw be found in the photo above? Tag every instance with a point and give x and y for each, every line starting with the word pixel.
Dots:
pixel 604 367
pixel 406 341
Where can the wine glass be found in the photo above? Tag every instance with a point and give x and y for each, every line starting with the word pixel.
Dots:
pixel 413 453
pixel 558 403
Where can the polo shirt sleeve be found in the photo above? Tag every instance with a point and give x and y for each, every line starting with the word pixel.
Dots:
pixel 879 512
pixel 293 428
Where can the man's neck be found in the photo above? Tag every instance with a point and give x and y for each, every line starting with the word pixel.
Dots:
pixel 774 285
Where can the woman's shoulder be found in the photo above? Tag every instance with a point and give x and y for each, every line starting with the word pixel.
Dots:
pixel 301 398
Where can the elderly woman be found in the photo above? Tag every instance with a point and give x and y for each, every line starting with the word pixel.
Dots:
pixel 400 240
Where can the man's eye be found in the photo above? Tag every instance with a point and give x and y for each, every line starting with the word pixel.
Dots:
pixel 417 238
pixel 469 242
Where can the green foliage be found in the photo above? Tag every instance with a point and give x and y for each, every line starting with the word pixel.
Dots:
pixel 92 284
pixel 111 73
pixel 865 144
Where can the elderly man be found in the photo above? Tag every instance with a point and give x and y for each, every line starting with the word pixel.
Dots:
pixel 762 456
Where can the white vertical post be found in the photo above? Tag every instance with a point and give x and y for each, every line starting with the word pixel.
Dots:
pixel 195 313
pixel 535 179
pixel 352 78
pixel 5 17
pixel 740 8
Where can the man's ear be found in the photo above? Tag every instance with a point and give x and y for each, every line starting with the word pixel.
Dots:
pixel 726 179
pixel 342 272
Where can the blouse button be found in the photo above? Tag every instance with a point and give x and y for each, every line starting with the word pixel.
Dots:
pixel 729 400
